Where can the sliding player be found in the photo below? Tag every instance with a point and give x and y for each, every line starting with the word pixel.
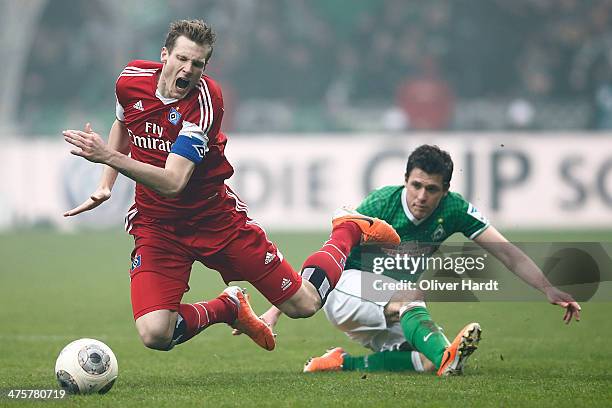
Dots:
pixel 399 328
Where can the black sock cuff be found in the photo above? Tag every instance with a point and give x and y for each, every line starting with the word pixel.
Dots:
pixel 319 280
pixel 179 332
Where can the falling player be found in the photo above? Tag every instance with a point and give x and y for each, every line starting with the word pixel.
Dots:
pixel 168 118
pixel 399 328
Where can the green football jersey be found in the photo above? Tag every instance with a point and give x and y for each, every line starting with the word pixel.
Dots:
pixel 454 214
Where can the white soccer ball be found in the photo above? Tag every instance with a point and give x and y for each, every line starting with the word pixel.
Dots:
pixel 86 366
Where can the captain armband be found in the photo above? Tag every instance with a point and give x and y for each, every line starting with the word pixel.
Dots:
pixel 191 148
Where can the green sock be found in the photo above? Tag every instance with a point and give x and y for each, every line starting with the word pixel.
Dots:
pixel 382 361
pixel 423 334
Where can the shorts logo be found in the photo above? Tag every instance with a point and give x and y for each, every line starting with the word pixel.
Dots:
pixel 174 116
pixel 269 258
pixel 136 261
pixel 285 284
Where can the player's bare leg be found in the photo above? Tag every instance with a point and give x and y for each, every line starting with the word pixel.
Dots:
pixel 163 329
pixel 155 328
pixel 304 303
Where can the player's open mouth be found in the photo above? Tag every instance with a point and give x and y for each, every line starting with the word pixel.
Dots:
pixel 182 83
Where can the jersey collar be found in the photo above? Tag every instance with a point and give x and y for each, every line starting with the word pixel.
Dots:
pixel 165 101
pixel 409 215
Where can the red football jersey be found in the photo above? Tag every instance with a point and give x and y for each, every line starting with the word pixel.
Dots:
pixel 154 123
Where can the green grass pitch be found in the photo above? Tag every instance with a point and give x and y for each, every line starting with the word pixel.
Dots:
pixel 56 288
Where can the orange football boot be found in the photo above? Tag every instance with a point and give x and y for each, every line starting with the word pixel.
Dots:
pixel 330 361
pixel 249 323
pixel 373 230
pixel 460 349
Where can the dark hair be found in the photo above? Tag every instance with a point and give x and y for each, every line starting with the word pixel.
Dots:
pixel 195 30
pixel 432 160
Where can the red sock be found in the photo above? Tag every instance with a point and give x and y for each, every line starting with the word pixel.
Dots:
pixel 332 255
pixel 200 315
pixel 345 236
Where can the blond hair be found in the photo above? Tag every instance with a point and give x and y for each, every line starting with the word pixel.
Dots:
pixel 195 30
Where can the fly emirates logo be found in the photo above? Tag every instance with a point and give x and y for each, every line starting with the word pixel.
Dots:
pixel 151 142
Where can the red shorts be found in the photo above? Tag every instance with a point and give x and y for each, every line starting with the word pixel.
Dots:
pixel 228 242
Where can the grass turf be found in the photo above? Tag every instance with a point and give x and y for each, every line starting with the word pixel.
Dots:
pixel 56 288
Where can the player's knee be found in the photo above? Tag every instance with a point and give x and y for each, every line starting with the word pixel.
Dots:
pixel 154 333
pixel 304 303
pixel 306 311
pixel 392 312
pixel 299 308
pixel 303 310
pixel 156 328
pixel 155 339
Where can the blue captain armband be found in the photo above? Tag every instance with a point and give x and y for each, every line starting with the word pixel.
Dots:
pixel 191 148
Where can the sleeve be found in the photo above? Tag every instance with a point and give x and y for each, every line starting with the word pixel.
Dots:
pixel 119 111
pixel 193 138
pixel 471 222
pixel 119 95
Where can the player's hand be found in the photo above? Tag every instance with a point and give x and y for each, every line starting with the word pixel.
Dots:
pixel 89 144
pixel 566 301
pixel 98 197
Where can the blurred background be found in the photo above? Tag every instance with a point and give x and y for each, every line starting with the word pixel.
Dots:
pixel 520 92
pixel 320 65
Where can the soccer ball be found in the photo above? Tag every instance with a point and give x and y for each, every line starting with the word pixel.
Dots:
pixel 86 366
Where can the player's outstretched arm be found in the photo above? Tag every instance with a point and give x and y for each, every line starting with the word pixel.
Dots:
pixel 117 140
pixel 168 181
pixel 524 267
